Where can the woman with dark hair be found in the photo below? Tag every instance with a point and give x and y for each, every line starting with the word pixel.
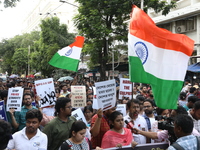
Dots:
pixel 77 140
pixel 182 99
pixel 117 136
pixel 88 113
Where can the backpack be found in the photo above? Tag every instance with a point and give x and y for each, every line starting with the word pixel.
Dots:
pixel 178 147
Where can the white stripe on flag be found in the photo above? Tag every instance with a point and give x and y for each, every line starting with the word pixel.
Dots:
pixel 162 63
pixel 76 51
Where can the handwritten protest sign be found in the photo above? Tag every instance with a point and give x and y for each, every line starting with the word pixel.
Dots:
pixel 45 89
pixel 2 111
pixel 78 114
pixel 121 108
pixel 14 100
pixel 106 94
pixel 78 98
pixel 125 88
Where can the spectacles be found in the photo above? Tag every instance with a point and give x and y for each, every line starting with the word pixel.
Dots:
pixel 70 107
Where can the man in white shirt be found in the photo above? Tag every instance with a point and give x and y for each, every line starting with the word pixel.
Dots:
pixel 194 113
pixel 30 137
pixel 138 121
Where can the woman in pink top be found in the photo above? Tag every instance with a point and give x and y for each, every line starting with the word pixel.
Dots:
pixel 117 136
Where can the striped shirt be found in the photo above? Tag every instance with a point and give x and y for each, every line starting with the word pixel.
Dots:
pixel 187 142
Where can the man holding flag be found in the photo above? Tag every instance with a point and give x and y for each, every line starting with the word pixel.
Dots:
pixel 157 57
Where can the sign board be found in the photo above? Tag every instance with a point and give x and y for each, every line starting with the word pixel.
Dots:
pixel 121 108
pixel 46 91
pixel 152 146
pixel 14 100
pixel 125 88
pixel 78 114
pixel 2 111
pixel 78 98
pixel 106 94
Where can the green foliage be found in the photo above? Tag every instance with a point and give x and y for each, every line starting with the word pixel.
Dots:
pixel 14 52
pixel 54 36
pixel 20 59
pixel 9 3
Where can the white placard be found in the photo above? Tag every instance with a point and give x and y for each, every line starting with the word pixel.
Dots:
pixel 78 114
pixel 46 91
pixel 125 88
pixel 78 98
pixel 121 108
pixel 14 100
pixel 106 94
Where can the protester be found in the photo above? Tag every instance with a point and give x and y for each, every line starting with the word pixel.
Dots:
pixel 18 118
pixel 182 99
pixel 183 127
pixel 57 130
pixel 190 103
pixel 138 121
pixel 163 134
pixel 30 137
pixel 194 113
pixel 88 113
pixel 77 139
pixel 99 126
pixel 117 136
pixel 5 134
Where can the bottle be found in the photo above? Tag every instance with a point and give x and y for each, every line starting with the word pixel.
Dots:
pixel 130 125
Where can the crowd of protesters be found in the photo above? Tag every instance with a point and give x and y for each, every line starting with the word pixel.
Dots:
pixel 54 128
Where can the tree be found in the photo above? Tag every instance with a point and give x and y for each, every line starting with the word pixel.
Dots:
pixel 103 22
pixel 9 3
pixel 20 60
pixel 54 36
pixel 10 50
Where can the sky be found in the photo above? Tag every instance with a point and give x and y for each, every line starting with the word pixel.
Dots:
pixel 12 18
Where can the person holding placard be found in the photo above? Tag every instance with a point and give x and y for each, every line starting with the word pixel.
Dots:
pixel 18 119
pixel 57 130
pixel 100 125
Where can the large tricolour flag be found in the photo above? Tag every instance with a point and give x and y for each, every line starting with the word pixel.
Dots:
pixel 68 57
pixel 157 57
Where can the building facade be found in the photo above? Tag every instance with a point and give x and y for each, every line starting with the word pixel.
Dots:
pixel 64 10
pixel 184 19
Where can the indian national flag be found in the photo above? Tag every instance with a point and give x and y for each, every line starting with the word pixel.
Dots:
pixel 157 57
pixel 68 57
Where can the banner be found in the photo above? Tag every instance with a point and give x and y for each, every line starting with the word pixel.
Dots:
pixel 78 98
pixel 46 91
pixel 152 146
pixel 14 100
pixel 106 94
pixel 2 111
pixel 125 88
pixel 78 114
pixel 121 108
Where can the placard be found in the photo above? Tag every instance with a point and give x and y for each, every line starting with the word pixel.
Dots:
pixel 125 88
pixel 46 91
pixel 106 94
pixel 78 98
pixel 2 111
pixel 152 146
pixel 14 100
pixel 121 108
pixel 78 114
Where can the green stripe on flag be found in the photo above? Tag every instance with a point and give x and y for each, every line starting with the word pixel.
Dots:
pixel 64 62
pixel 166 92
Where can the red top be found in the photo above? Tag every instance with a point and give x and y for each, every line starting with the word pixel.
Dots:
pixel 96 141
